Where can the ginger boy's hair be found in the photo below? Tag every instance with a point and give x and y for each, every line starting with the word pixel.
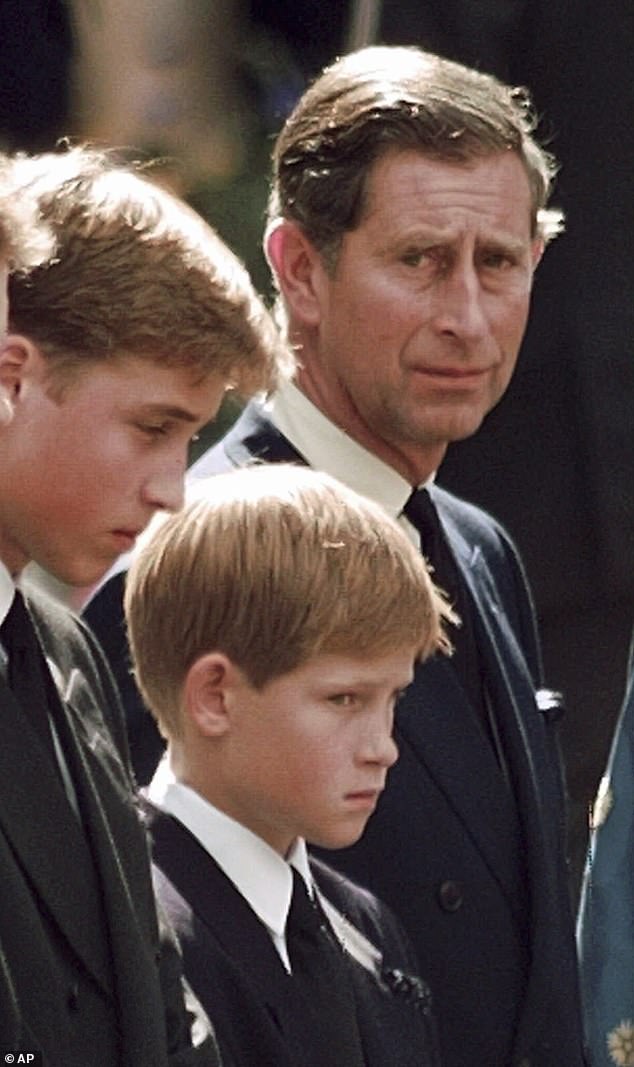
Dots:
pixel 272 565
pixel 136 272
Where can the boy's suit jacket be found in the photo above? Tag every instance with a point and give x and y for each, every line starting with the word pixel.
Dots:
pixel 86 976
pixel 235 970
pixel 469 855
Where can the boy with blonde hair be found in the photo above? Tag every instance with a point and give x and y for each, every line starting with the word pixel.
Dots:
pixel 122 346
pixel 273 624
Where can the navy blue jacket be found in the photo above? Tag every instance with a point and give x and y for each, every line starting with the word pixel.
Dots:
pixel 233 966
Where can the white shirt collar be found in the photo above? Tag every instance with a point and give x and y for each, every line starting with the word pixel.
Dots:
pixel 327 448
pixel 261 875
pixel 7 592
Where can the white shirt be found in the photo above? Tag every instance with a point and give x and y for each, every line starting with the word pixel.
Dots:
pixel 259 873
pixel 7 592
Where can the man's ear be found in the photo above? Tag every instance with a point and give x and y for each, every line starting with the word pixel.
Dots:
pixel 537 251
pixel 207 685
pixel 18 357
pixel 297 267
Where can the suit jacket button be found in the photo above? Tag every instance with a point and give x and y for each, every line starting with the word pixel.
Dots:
pixel 450 896
pixel 72 999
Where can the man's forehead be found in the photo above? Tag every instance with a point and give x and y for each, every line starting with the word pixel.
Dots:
pixel 412 184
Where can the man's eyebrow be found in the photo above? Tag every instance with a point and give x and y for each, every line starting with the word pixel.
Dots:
pixel 505 243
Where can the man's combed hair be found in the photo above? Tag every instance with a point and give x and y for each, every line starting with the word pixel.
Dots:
pixel 385 98
pixel 272 565
pixel 136 272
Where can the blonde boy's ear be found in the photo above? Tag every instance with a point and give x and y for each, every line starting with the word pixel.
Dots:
pixel 205 694
pixel 298 269
pixel 18 357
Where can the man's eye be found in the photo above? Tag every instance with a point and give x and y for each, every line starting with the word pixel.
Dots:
pixel 413 257
pixel 498 261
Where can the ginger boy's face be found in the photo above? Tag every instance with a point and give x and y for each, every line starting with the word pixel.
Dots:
pixel 83 473
pixel 308 754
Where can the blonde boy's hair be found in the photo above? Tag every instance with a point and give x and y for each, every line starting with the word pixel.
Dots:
pixel 272 565
pixel 136 272
pixel 25 240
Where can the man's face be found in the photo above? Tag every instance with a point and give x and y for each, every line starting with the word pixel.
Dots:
pixel 308 753
pixel 419 327
pixel 83 473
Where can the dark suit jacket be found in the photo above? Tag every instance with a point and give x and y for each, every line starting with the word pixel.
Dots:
pixel 234 967
pixel 86 977
pixel 469 857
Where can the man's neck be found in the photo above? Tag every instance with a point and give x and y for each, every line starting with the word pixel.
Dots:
pixel 414 463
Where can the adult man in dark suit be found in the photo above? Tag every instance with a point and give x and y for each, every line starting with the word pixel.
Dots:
pixel 407 216
pixel 124 342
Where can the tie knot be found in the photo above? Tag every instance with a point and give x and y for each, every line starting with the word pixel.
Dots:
pixel 420 510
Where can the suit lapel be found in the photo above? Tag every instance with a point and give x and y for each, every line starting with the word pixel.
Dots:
pixel 506 676
pixel 254 437
pixel 109 813
pixel 219 905
pixel 41 826
pixel 524 743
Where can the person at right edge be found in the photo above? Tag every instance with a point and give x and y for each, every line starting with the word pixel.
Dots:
pixel 408 213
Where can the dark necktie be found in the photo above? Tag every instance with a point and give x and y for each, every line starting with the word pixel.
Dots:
pixel 320 974
pixel 27 671
pixel 421 512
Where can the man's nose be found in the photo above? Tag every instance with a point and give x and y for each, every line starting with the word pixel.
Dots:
pixel 460 311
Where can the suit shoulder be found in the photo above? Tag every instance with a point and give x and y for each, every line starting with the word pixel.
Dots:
pixel 469 516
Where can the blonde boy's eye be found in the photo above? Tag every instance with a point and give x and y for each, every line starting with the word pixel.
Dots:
pixel 342 700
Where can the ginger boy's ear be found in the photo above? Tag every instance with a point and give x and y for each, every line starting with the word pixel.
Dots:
pixel 205 691
pixel 298 269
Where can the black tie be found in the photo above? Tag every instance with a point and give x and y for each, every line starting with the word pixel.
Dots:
pixel 27 672
pixel 320 973
pixel 421 512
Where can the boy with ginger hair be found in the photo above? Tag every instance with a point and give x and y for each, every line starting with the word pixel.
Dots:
pixel 273 624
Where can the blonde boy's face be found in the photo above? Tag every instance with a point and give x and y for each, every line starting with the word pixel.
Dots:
pixel 4 303
pixel 82 475
pixel 308 754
